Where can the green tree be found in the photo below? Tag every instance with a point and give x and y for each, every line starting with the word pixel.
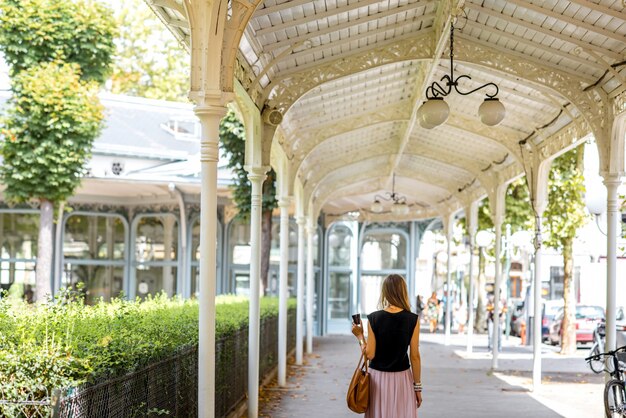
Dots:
pixel 518 214
pixel 232 138
pixel 49 128
pixel 37 31
pixel 149 61
pixel 564 215
pixel 57 51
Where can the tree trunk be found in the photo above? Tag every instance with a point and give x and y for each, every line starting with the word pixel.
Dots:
pixel 43 288
pixel 568 326
pixel 481 313
pixel 266 246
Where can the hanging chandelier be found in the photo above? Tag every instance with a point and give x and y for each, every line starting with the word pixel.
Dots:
pixel 434 111
pixel 399 206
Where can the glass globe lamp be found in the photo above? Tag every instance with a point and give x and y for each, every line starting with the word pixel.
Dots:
pixel 491 112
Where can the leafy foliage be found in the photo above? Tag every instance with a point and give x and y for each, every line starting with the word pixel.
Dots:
pixel 232 138
pixel 41 31
pixel 149 62
pixel 50 125
pixel 518 212
pixel 43 347
pixel 565 212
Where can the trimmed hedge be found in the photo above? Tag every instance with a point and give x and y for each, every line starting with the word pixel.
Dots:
pixel 67 343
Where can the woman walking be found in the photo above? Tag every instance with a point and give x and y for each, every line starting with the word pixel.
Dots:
pixel 433 312
pixel 395 385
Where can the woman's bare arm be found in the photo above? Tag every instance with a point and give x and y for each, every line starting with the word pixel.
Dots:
pixel 416 361
pixel 368 346
pixel 370 349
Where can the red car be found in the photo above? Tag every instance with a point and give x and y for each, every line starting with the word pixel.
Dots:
pixel 587 317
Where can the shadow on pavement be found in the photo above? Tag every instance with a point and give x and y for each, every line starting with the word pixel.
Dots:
pixel 453 386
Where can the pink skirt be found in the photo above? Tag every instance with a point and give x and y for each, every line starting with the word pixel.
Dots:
pixel 391 395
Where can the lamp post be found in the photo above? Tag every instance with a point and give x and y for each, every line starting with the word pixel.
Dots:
pixel 483 240
pixel 522 240
pixel 601 198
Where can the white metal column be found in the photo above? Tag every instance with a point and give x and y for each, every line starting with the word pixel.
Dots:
pixel 282 290
pixel 496 336
pixel 471 216
pixel 613 215
pixel 447 324
pixel 537 305
pixel 300 292
pixel 256 176
pixel 310 286
pixel 210 117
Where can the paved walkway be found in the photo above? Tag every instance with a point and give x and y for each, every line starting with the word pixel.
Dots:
pixel 456 384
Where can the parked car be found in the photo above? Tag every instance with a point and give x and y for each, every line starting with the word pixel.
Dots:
pixel 587 318
pixel 549 311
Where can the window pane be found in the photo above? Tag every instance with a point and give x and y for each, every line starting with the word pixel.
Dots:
pixel 18 234
pixel 339 242
pixel 292 239
pixel 382 251
pixel 156 239
pixel 242 283
pixel 292 284
pixel 195 241
pixel 239 243
pixel 100 282
pixel 339 296
pixel 370 293
pixel 18 278
pixel 152 280
pixel 316 247
pixel 275 244
pixel 92 237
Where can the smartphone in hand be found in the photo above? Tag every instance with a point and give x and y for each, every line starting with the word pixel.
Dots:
pixel 356 319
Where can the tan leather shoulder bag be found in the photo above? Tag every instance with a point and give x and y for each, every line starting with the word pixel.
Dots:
pixel 358 397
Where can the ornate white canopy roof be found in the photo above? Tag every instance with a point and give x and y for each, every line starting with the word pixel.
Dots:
pixel 349 77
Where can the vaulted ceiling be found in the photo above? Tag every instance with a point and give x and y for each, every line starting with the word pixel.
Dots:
pixel 349 77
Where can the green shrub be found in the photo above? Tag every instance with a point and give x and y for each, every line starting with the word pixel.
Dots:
pixel 67 343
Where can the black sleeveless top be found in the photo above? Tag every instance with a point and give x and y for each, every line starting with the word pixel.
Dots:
pixel 393 332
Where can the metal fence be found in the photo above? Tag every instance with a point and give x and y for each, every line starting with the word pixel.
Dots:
pixel 35 404
pixel 165 388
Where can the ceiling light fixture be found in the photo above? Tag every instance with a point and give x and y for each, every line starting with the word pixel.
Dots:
pixel 434 111
pixel 399 206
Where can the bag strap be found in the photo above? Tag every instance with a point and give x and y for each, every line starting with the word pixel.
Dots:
pixel 364 360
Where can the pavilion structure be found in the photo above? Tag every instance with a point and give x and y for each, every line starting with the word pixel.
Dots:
pixel 331 94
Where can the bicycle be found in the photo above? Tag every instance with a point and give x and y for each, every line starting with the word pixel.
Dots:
pixel 614 389
pixel 599 333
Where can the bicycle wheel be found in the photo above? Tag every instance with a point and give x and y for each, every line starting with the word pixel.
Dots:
pixel 597 365
pixel 614 398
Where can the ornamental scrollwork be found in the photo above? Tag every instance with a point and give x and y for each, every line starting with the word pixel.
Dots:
pixel 589 103
pixel 563 138
pixel 303 142
pixel 284 92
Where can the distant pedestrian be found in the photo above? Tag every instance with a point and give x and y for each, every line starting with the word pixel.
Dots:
pixel 491 318
pixel 461 316
pixel 419 306
pixel 433 312
pixel 395 384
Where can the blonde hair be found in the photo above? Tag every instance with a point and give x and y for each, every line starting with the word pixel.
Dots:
pixel 394 292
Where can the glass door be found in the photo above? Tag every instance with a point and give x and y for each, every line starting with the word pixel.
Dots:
pixel 384 251
pixel 340 245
